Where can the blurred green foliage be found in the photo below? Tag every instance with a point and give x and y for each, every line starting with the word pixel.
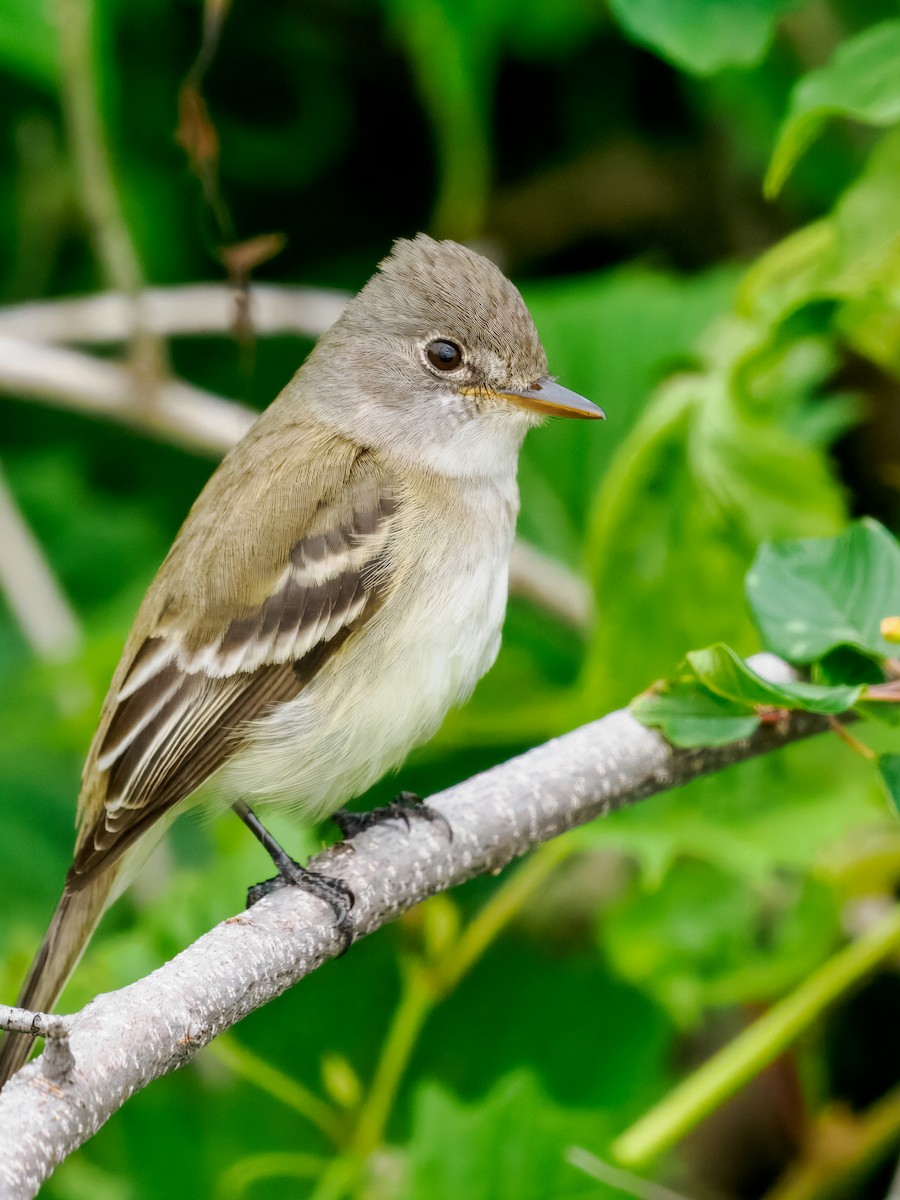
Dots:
pixel 747 352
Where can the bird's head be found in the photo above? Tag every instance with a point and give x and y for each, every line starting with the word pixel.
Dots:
pixel 438 356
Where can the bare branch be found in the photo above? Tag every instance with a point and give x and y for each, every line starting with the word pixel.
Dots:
pixel 622 1181
pixel 550 585
pixel 180 413
pixel 23 1020
pixel 175 311
pixel 58 1060
pixel 124 1040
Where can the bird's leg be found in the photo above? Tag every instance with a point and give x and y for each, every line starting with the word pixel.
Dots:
pixel 333 891
pixel 401 808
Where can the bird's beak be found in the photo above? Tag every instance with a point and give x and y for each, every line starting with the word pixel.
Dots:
pixel 547 396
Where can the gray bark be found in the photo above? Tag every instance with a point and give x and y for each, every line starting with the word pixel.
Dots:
pixel 123 1040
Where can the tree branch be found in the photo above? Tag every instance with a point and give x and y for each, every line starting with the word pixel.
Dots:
pixel 550 585
pixel 180 413
pixel 192 308
pixel 124 1040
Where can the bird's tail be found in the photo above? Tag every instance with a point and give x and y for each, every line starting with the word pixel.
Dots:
pixel 76 917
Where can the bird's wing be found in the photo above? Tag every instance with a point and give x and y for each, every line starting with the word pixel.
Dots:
pixel 244 629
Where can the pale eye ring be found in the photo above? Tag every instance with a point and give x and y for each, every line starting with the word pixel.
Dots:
pixel 444 355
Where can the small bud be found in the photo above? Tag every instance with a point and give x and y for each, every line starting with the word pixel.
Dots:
pixel 890 629
pixel 440 926
pixel 340 1081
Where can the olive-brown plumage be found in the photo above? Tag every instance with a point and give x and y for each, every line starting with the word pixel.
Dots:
pixel 337 586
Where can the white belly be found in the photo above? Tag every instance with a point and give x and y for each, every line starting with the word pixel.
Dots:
pixel 386 690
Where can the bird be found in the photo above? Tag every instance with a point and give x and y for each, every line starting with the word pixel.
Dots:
pixel 339 584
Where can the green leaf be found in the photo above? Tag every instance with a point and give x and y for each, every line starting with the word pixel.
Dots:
pixel 702 36
pixel 847 265
pixel 710 471
pixel 507 1146
pixel 714 701
pixel 866 262
pixel 730 819
pixel 703 938
pixel 618 1074
pixel 689 715
pixel 889 770
pixel 724 672
pixel 847 665
pixel 812 595
pixel 648 323
pixel 862 82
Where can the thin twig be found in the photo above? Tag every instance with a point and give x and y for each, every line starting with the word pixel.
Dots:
pixel 757 1045
pixel 192 308
pixel 848 739
pixel 551 586
pixel 182 414
pixel 97 191
pixel 622 1181
pixel 57 1061
pixel 23 1020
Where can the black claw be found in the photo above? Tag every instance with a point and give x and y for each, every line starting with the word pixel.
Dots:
pixel 349 823
pixel 409 800
pixel 265 888
pixel 333 891
pixel 337 895
pixel 402 808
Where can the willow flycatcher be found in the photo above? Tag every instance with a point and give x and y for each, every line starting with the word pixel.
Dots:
pixel 339 584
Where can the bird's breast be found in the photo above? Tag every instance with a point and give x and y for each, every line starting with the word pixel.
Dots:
pixel 390 685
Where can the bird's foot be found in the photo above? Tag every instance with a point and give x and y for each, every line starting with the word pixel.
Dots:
pixel 404 806
pixel 333 891
pixel 336 894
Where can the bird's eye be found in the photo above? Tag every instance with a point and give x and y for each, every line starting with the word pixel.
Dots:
pixel 446 356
